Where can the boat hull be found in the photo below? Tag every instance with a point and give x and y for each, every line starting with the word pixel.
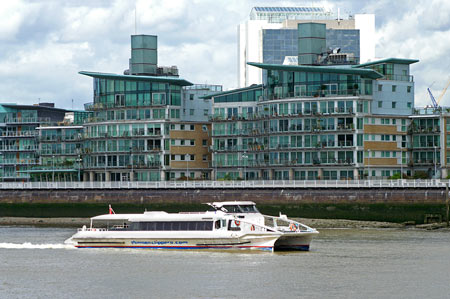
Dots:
pixel 242 242
pixel 294 242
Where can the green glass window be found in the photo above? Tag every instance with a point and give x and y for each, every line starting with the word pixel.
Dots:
pixel 359 140
pixel 175 113
pixel 359 123
pixel 119 86
pixel 131 86
pixel 110 86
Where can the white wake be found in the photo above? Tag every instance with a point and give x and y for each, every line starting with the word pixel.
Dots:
pixel 28 245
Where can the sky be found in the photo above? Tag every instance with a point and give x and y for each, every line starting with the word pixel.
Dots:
pixel 45 43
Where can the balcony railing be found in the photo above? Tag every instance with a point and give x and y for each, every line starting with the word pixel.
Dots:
pixel 122 150
pixel 27 120
pixel 58 138
pixel 257 132
pixel 143 165
pixel 263 147
pixel 406 78
pixel 56 152
pixel 425 162
pixel 20 134
pixel 102 106
pixel 261 184
pixel 15 176
pixel 56 168
pixel 124 134
pixel 425 130
pixel 259 116
pixel 313 94
pixel 18 149
pixel 19 162
pixel 428 145
pixel 279 162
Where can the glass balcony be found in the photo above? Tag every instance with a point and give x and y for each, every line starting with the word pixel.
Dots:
pixel 405 78
pixel 19 162
pixel 27 120
pixel 19 134
pixel 29 148
pixel 312 94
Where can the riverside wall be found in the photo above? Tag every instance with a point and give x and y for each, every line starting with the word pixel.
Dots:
pixel 261 196
pixel 392 205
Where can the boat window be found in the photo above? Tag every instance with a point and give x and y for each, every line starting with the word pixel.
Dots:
pixel 172 226
pixel 151 225
pixel 175 225
pixel 249 208
pixel 233 226
pixel 183 225
pixel 167 226
pixel 217 224
pixel 192 225
pixel 233 209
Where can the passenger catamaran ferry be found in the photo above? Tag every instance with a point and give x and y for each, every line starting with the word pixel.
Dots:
pixel 226 225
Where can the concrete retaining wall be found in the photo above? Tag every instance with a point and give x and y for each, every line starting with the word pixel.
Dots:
pixel 198 196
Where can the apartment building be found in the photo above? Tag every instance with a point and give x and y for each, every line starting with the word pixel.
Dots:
pixel 315 121
pixel 60 149
pixel 18 137
pixel 147 124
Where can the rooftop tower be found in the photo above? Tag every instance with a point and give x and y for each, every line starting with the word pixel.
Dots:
pixel 311 42
pixel 144 55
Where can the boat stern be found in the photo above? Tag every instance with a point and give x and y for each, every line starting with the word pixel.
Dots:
pixel 294 241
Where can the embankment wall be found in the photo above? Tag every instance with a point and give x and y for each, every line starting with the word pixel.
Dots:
pixel 207 195
pixel 392 205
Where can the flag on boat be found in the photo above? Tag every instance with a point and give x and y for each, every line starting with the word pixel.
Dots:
pixel 111 211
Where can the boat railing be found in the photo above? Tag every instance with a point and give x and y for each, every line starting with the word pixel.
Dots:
pixel 120 227
pixel 92 229
pixel 284 224
pixel 246 225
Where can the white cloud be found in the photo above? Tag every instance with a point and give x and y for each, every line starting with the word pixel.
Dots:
pixel 45 43
pixel 12 15
pixel 421 33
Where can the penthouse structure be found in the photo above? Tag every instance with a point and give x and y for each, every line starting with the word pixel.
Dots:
pixel 270 35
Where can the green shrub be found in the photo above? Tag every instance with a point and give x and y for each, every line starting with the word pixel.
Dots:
pixel 419 174
pixel 396 176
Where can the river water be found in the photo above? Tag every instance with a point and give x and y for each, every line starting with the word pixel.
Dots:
pixel 342 263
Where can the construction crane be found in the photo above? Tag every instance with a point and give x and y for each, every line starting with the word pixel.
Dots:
pixel 433 100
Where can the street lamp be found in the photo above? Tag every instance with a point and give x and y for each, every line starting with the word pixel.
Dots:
pixel 79 167
pixel 215 164
pixel 401 161
pixel 160 167
pixel 132 164
pixel 106 159
pixel 53 168
pixel 79 164
pixel 244 156
pixel 435 163
pixel 187 166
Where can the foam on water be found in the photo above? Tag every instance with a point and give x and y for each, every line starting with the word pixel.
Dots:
pixel 28 245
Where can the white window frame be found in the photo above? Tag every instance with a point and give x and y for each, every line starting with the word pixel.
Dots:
pixel 299 91
pixel 163 98
pixel 119 100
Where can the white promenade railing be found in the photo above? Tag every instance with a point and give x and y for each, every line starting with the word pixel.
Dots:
pixel 319 184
